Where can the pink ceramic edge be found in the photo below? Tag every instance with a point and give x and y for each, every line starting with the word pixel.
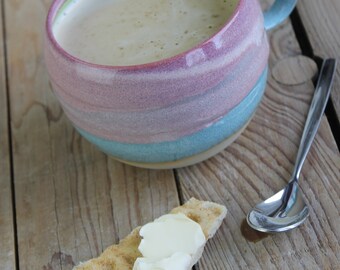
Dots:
pixel 54 9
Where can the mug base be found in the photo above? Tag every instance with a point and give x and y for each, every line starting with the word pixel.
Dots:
pixel 189 160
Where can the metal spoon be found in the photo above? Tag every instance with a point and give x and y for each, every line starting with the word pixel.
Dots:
pixel 287 209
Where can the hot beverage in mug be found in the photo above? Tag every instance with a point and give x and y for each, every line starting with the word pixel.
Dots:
pixel 129 32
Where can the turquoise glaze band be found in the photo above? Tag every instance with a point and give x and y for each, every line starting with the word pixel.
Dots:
pixel 278 12
pixel 189 145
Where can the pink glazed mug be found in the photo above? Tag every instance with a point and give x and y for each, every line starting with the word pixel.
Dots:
pixel 177 111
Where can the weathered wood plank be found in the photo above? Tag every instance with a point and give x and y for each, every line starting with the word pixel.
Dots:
pixel 72 201
pixel 259 164
pixel 7 246
pixel 321 20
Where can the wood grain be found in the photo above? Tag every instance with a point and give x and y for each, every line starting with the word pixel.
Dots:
pixel 72 200
pixel 259 164
pixel 294 70
pixel 7 246
pixel 321 20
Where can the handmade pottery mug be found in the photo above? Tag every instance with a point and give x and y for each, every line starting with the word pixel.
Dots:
pixel 176 111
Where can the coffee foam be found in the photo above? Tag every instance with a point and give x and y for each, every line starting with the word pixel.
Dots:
pixel 129 32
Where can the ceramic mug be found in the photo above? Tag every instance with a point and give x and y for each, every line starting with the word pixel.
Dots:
pixel 177 111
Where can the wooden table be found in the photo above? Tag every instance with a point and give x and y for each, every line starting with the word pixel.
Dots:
pixel 62 201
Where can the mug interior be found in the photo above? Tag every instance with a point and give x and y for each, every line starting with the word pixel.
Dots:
pixel 59 7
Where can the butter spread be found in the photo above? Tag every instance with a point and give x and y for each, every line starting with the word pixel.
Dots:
pixel 170 234
pixel 168 243
pixel 178 261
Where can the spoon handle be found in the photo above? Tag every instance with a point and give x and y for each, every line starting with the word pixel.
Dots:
pixel 317 107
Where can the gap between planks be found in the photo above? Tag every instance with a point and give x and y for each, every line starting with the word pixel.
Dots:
pixel 11 261
pixel 258 164
pixel 71 200
pixel 307 50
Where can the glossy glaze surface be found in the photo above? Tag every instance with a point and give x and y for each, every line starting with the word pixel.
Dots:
pixel 167 101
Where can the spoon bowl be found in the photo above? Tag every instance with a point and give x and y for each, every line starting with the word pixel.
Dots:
pixel 282 212
pixel 287 209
